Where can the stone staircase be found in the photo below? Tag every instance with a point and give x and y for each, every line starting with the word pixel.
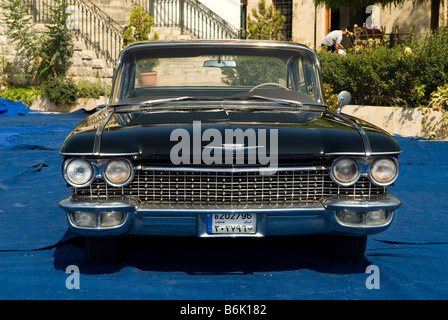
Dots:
pixel 120 11
pixel 91 60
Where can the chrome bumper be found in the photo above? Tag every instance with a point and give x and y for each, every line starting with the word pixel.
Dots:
pixel 324 217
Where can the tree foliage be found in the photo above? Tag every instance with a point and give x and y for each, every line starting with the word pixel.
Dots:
pixel 20 30
pixel 56 43
pixel 140 24
pixel 45 53
pixel 251 71
pixel 267 25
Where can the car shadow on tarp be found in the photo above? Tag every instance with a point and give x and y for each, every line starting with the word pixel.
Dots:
pixel 218 256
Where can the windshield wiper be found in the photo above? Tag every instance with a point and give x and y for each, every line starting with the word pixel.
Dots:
pixel 162 105
pixel 150 103
pixel 299 106
pixel 135 106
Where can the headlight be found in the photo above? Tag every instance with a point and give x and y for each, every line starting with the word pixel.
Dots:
pixel 384 171
pixel 345 171
pixel 78 172
pixel 118 172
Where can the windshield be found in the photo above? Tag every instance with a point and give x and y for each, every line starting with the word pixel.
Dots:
pixel 217 73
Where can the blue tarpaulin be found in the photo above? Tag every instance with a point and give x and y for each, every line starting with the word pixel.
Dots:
pixel 38 254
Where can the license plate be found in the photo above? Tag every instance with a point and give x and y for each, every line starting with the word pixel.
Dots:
pixel 232 223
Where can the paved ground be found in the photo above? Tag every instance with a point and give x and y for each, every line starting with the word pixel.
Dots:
pixel 40 259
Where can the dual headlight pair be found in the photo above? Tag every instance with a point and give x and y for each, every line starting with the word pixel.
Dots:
pixel 382 171
pixel 81 173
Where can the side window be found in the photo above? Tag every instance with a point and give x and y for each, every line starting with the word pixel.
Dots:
pixel 302 77
pixel 309 78
pixel 128 75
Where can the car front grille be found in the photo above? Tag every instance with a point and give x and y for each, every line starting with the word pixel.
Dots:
pixel 220 187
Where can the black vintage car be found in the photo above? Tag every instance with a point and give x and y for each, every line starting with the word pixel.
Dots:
pixel 226 139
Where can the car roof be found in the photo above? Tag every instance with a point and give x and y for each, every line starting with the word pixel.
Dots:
pixel 237 43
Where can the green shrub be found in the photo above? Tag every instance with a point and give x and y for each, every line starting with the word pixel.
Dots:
pixel 87 89
pixel 60 90
pixel 431 60
pixel 375 77
pixel 18 94
pixel 402 76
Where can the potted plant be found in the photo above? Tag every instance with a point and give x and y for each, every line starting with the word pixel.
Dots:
pixel 148 77
pixel 140 24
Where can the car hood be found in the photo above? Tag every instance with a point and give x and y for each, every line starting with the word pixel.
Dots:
pixel 296 134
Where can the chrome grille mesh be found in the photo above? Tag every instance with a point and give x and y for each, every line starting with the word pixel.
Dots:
pixel 220 188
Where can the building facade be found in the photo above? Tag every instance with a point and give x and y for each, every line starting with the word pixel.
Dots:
pixel 308 24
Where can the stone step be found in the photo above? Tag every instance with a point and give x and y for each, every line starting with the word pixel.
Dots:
pixel 170 33
pixel 118 10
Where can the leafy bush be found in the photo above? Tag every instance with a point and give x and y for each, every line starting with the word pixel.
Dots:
pixel 331 97
pixel 18 94
pixel 60 90
pixel 87 89
pixel 374 77
pixel 402 76
pixel 431 60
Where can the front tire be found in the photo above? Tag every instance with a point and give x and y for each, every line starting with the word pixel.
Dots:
pixel 346 248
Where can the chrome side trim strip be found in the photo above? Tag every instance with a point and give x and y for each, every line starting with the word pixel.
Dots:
pixel 75 154
pixel 100 155
pixel 385 153
pixel 99 133
pixel 357 127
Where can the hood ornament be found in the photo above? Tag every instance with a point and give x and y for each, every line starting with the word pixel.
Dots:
pixel 233 146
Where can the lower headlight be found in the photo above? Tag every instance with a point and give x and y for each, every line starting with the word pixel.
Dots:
pixel 351 217
pixel 384 171
pixel 78 172
pixel 345 171
pixel 376 218
pixel 118 172
pixel 84 219
pixel 111 219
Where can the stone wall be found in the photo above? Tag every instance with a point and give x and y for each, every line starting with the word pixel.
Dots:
pixel 85 64
pixel 409 122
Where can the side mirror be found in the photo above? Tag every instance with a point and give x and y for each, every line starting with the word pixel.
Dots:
pixel 344 98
